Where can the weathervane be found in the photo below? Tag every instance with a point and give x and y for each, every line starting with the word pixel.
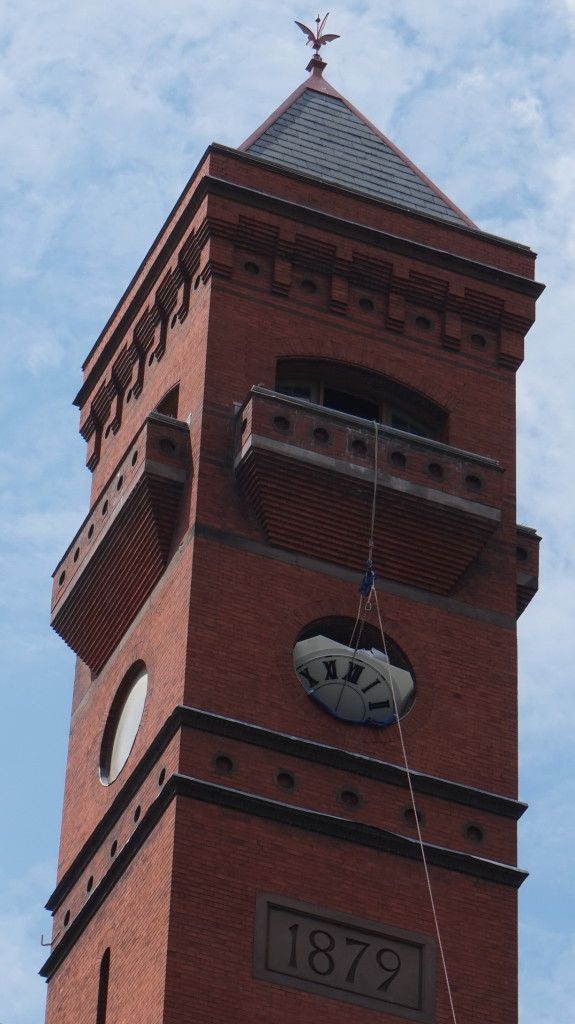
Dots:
pixel 317 39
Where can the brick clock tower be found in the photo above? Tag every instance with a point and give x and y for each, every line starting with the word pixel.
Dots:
pixel 265 819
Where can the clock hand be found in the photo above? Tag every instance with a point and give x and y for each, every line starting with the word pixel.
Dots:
pixel 340 696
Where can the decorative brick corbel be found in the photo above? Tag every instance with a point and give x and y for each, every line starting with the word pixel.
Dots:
pixel 166 302
pixel 339 296
pixel 511 348
pixel 220 261
pixel 395 319
pixel 91 431
pixel 283 263
pixel 281 276
pixel 452 329
pixel 143 340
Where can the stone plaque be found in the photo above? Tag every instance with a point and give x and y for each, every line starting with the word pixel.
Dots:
pixel 344 957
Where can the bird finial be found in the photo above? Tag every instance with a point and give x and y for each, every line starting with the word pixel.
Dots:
pixel 317 39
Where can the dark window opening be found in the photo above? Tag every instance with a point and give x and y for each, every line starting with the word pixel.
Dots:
pixel 363 635
pixel 169 404
pixel 305 390
pixel 400 421
pixel 354 405
pixel 103 988
pixel 356 392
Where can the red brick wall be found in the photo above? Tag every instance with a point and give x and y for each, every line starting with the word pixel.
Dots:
pixel 222 860
pixel 246 613
pixel 134 923
pixel 153 638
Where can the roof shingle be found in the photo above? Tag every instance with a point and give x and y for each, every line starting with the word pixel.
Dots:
pixel 320 135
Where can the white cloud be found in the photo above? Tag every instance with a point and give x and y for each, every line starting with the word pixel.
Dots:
pixel 22 992
pixel 548 985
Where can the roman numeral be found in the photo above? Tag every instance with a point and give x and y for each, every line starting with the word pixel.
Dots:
pixel 370 686
pixel 374 705
pixel 306 674
pixel 353 673
pixel 330 672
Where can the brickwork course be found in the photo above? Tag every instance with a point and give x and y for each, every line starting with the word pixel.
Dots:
pixel 229 513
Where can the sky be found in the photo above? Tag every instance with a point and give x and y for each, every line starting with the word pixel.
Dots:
pixel 105 109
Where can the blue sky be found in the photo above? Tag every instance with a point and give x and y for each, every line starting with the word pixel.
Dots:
pixel 105 109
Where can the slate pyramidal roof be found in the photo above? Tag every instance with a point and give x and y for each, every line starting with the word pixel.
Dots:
pixel 316 131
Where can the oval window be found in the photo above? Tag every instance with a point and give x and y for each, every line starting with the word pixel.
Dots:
pixel 123 725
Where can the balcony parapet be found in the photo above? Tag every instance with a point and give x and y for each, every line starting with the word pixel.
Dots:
pixel 122 547
pixel 527 566
pixel 309 472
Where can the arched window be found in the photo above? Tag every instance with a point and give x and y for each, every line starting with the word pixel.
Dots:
pixel 169 404
pixel 357 392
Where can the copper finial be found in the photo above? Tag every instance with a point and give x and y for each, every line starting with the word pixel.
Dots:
pixel 317 38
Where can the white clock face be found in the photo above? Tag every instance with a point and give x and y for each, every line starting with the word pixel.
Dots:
pixel 355 686
pixel 126 727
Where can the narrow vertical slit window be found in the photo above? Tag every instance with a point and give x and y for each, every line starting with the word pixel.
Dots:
pixel 103 988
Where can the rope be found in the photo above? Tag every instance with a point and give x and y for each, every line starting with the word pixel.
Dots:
pixel 374 497
pixel 368 593
pixel 416 817
pixel 369 578
pixel 355 643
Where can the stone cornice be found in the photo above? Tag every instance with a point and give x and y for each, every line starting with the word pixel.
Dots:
pixel 295 746
pixel 150 275
pixel 341 829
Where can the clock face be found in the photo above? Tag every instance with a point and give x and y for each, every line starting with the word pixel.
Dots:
pixel 123 727
pixel 355 686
